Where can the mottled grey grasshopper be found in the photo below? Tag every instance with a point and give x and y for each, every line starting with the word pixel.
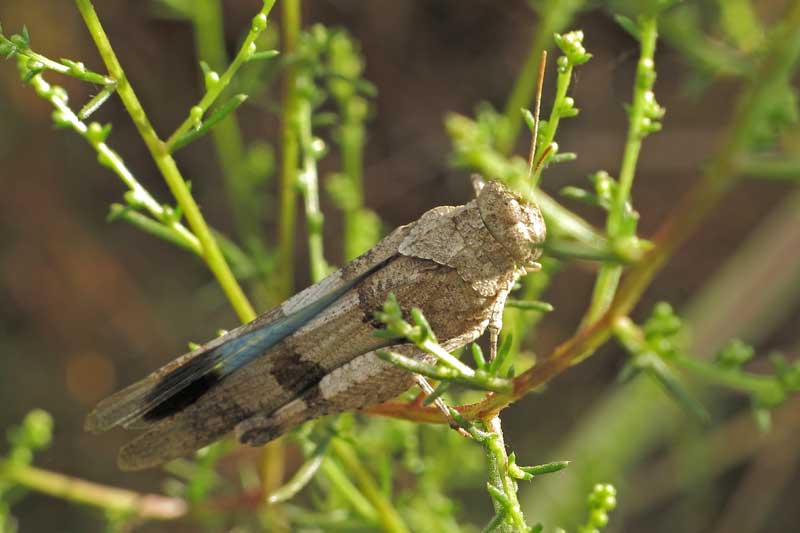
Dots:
pixel 316 353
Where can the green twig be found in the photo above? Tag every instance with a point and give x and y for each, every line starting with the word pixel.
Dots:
pixel 220 114
pixel 347 490
pixel 501 485
pixel 76 490
pixel 19 45
pixel 154 227
pixel 388 518
pixel 734 378
pixel 643 115
pixel 478 380
pixel 555 15
pixel 301 478
pixel 214 90
pixel 96 101
pixel 311 150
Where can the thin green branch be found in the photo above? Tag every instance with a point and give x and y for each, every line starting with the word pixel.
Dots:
pixel 220 114
pixel 388 517
pixel 734 378
pixel 76 490
pixel 345 488
pixel 555 15
pixel 19 45
pixel 311 149
pixel 477 380
pixel 301 478
pixel 214 90
pixel 643 115
pixel 154 227
pixel 501 485
pixel 166 164
pixel 96 101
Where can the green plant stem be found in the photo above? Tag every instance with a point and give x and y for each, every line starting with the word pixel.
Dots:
pixel 388 518
pixel 608 278
pixel 153 227
pixel 765 386
pixel 151 506
pixel 309 185
pixel 81 74
pixel 549 133
pixel 213 124
pixel 480 381
pixel 555 15
pixel 348 491
pixel 497 466
pixel 166 164
pixel 351 135
pixel 300 479
pixel 290 148
pixel 212 93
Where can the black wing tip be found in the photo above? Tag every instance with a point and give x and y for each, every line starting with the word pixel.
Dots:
pixel 182 398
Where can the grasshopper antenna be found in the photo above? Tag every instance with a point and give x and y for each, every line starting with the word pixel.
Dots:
pixel 536 111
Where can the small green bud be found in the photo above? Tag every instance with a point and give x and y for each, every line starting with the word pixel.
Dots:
pixel 75 67
pixel 38 428
pixel 598 518
pixel 259 23
pixel 734 354
pixel 646 73
pixel 318 148
pixel 95 133
pixel 6 49
pixel 19 41
pixel 568 108
pixel 61 119
pixel 210 79
pixel 196 114
pixel 358 108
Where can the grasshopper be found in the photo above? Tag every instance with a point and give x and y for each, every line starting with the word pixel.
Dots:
pixel 316 353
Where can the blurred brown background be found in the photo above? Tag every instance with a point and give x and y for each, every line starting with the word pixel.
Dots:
pixel 89 306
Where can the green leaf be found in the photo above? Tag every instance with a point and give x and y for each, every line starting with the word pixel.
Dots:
pixel 628 25
pixel 676 390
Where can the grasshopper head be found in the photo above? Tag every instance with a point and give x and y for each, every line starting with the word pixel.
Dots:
pixel 515 223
